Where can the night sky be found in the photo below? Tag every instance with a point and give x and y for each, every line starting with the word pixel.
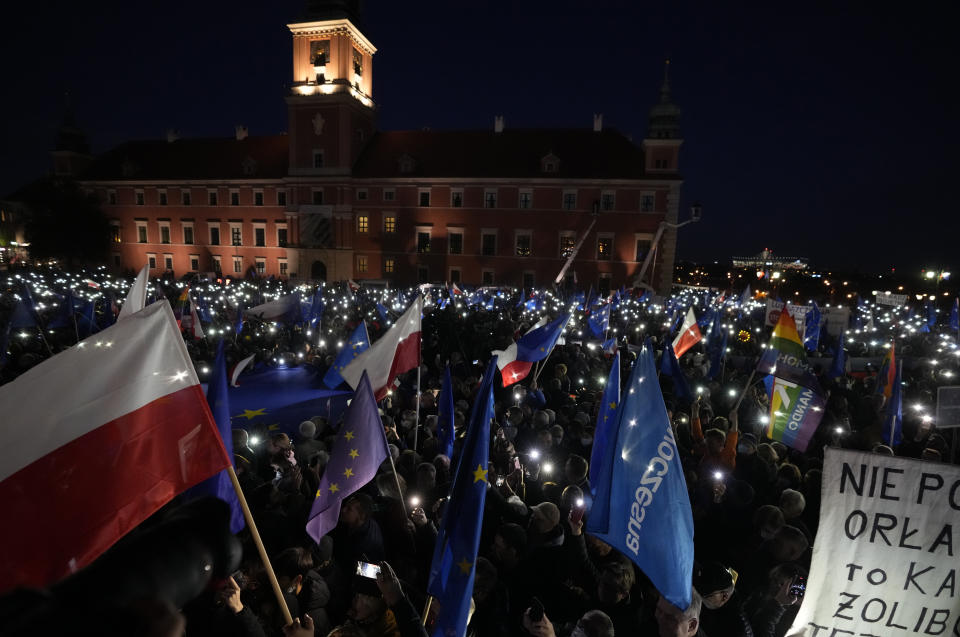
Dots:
pixel 828 133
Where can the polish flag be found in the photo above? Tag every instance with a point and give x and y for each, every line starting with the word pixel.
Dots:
pixel 689 334
pixel 536 344
pixel 394 353
pixel 137 295
pixel 456 289
pixel 238 369
pixel 97 439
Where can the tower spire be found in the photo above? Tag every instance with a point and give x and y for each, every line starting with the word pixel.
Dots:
pixel 664 121
pixel 665 87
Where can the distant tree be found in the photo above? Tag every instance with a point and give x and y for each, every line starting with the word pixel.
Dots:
pixel 65 223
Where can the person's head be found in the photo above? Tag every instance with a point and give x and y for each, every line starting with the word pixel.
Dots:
pixel 768 520
pixel 485 580
pixel 570 496
pixel 792 504
pixel 559 370
pixel 291 567
pixel 715 583
pixel 766 453
pixel 366 609
pixel 278 442
pixel 308 429
pixel 241 438
pixel 544 517
pixel 747 445
pixel 426 477
pixel 576 469
pixel 714 439
pixel 614 584
pixel 674 622
pixel 356 510
pixel 556 432
pixel 594 623
pixel 509 544
pixel 788 544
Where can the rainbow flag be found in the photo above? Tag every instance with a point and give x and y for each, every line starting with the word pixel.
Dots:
pixel 888 372
pixel 796 400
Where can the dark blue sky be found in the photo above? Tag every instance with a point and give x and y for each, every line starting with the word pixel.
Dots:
pixel 827 132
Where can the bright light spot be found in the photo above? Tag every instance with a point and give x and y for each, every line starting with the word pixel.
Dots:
pixel 534 454
pixel 548 467
pixel 254 441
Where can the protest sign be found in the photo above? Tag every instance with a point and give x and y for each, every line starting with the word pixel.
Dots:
pixel 884 298
pixel 798 312
pixel 884 559
pixel 837 319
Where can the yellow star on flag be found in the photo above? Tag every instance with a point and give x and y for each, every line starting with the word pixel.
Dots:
pixel 354 453
pixel 348 473
pixel 250 414
pixel 613 405
pixel 465 566
pixel 349 435
pixel 333 487
pixel 480 474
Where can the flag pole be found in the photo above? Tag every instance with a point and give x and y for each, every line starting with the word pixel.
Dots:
pixel 426 609
pixel 416 425
pixel 287 618
pixel 393 468
pixel 745 388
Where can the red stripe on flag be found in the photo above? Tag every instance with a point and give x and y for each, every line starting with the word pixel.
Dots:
pixel 515 371
pixel 405 358
pixel 65 509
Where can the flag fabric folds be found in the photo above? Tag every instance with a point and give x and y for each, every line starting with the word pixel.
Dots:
pixel 220 485
pixel 359 449
pixel 599 321
pixel 838 368
pixel 97 439
pixel 600 465
pixel 358 344
pixel 892 432
pixel 285 309
pixel 137 295
pixel 796 400
pixel 516 361
pixel 669 366
pixel 394 353
pixel 954 322
pixel 454 561
pixel 811 332
pixel 689 334
pixel 644 503
pixel 888 372
pixel 446 431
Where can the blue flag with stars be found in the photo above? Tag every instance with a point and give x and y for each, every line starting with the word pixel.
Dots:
pixel 358 344
pixel 669 366
pixel 455 552
pixel 838 368
pixel 601 462
pixel 649 519
pixel 357 452
pixel 445 425
pixel 599 321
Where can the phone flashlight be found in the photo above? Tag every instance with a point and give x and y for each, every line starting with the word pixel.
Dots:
pixel 254 441
pixel 548 467
pixel 534 454
pixel 414 501
pixel 718 475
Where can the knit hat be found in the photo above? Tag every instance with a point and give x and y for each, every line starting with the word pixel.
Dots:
pixel 308 429
pixel 711 577
pixel 544 517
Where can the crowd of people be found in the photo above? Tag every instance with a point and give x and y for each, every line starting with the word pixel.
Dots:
pixel 755 502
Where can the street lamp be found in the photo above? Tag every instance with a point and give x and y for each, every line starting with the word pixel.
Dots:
pixel 696 210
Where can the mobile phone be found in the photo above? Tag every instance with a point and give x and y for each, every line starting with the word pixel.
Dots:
pixel 366 569
pixel 536 610
pixel 799 586
pixel 500 481
pixel 576 513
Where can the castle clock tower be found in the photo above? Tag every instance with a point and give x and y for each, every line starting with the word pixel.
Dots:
pixel 330 105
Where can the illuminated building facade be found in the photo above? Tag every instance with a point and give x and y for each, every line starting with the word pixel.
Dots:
pixel 335 198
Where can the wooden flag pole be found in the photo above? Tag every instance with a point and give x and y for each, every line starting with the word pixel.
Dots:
pixel 426 609
pixel 287 618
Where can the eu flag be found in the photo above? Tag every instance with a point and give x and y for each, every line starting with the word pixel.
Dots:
pixel 220 485
pixel 955 316
pixel 718 351
pixel 669 366
pixel 839 366
pixel 649 517
pixel 811 332
pixel 359 449
pixel 600 321
pixel 601 462
pixel 358 344
pixel 455 552
pixel 445 425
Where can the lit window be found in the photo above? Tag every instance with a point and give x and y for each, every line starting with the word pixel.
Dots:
pixel 363 224
pixel 604 248
pixel 523 245
pixel 361 264
pixel 237 265
pixel 567 241
pixel 389 265
pixel 390 224
pixel 236 236
pixel 423 242
pixel 115 234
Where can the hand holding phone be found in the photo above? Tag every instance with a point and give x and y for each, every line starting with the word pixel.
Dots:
pixel 368 570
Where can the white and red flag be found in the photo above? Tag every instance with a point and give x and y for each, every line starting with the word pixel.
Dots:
pixel 517 360
pixel 97 439
pixel 689 334
pixel 394 353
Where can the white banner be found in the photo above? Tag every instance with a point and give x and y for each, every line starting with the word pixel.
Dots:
pixel 891 299
pixel 885 557
pixel 798 312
